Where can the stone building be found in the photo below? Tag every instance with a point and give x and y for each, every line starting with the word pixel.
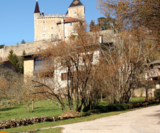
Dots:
pixel 59 26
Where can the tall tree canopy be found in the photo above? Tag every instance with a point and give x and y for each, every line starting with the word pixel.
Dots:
pixel 133 13
pixel 106 23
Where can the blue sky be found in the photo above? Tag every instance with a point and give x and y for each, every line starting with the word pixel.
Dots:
pixel 16 17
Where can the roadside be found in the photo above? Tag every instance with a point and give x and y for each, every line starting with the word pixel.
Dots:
pixel 145 120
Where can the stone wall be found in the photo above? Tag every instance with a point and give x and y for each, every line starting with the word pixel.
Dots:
pixel 29 48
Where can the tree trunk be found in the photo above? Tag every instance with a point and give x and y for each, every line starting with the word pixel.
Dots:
pixel 28 107
pixel 101 98
pixel 146 94
pixel 32 105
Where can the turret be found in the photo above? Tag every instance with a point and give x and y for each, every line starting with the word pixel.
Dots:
pixel 36 15
pixel 36 11
pixel 76 9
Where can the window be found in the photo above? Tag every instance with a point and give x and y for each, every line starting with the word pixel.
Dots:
pixel 51 35
pixel 65 25
pixel 70 31
pixel 71 24
pixel 52 28
pixel 64 76
pixel 44 28
pixel 74 12
pixel 44 36
pixel 88 58
pixel 51 21
pixel 38 63
pixel 44 21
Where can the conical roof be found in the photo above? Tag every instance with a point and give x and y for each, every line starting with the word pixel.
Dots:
pixel 76 3
pixel 37 8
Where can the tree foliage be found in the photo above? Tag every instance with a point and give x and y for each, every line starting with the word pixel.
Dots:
pixel 134 14
pixel 22 62
pixel 77 83
pixel 23 41
pixel 92 24
pixel 12 57
pixel 106 23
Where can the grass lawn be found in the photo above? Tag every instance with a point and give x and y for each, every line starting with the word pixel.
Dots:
pixel 137 99
pixel 37 127
pixel 42 108
pixel 45 108
pixel 51 130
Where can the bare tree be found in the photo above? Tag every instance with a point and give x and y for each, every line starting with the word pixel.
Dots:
pixel 123 65
pixel 73 64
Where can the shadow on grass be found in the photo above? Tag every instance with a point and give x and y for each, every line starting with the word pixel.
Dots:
pixel 39 109
pixel 109 108
pixel 9 108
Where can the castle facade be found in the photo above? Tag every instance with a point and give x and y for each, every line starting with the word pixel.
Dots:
pixel 59 26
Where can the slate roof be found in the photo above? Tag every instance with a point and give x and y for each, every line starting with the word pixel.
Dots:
pixel 68 20
pixel 37 8
pixel 76 3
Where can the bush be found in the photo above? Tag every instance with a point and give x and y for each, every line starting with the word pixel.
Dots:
pixel 94 111
pixel 157 94
pixel 115 107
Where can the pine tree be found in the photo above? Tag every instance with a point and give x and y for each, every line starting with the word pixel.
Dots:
pixel 13 59
pixel 92 24
pixel 22 62
pixel 105 23
pixel 23 42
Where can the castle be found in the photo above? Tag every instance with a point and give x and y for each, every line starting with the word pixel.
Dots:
pixel 49 27
pixel 57 26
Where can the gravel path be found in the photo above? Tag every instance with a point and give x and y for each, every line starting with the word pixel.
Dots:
pixel 146 120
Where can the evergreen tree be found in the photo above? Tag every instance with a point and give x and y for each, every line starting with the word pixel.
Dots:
pixel 22 62
pixel 2 46
pixel 23 42
pixel 13 59
pixel 105 23
pixel 92 24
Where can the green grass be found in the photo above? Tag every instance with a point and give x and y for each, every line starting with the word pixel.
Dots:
pixel 137 99
pixel 63 122
pixel 42 108
pixel 45 108
pixel 51 130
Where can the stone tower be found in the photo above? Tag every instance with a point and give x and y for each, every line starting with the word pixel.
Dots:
pixel 36 15
pixel 57 26
pixel 76 10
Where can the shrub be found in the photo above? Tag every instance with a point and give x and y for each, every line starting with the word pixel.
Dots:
pixel 94 111
pixel 157 94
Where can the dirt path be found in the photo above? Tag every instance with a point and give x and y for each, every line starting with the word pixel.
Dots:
pixel 146 120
